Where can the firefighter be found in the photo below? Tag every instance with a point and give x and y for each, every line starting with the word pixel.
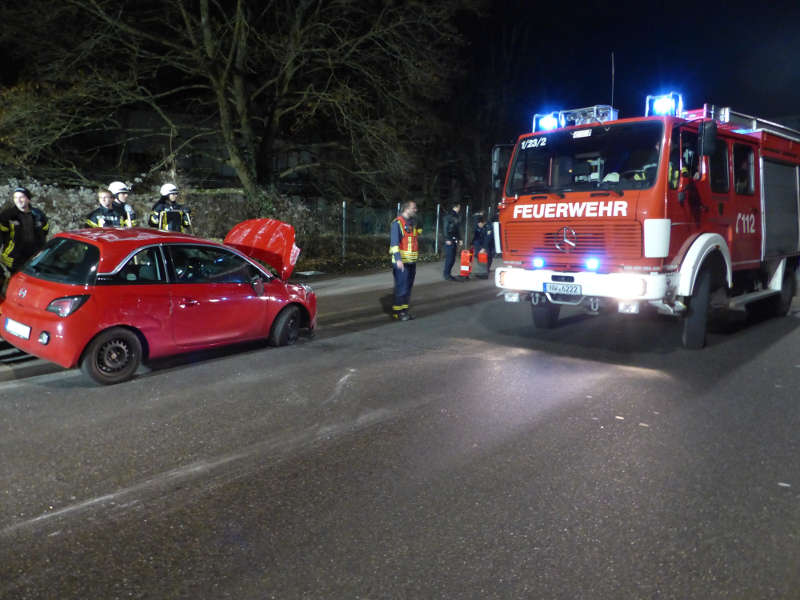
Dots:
pixel 23 231
pixel 105 215
pixel 404 250
pixel 120 191
pixel 452 240
pixel 483 241
pixel 167 214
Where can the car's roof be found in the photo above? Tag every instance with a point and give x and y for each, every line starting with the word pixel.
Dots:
pixel 115 243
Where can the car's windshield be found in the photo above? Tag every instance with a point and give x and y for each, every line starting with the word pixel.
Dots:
pixel 616 157
pixel 66 261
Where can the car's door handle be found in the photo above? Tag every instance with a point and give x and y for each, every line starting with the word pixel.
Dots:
pixel 184 302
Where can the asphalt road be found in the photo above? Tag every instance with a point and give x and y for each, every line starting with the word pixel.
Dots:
pixel 460 455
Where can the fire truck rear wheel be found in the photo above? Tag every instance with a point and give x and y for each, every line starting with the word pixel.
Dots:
pixel 696 320
pixel 545 316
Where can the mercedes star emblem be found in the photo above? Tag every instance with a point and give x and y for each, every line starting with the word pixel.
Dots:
pixel 566 239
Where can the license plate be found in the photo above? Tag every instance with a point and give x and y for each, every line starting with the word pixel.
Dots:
pixel 568 289
pixel 18 329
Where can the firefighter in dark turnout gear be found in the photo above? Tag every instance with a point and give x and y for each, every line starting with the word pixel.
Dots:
pixel 483 240
pixel 23 231
pixel 452 240
pixel 168 215
pixel 106 215
pixel 121 192
pixel 404 249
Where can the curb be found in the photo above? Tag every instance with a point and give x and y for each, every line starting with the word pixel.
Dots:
pixel 374 307
pixel 15 364
pixel 337 313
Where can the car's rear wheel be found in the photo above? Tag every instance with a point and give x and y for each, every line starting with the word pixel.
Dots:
pixel 112 356
pixel 286 327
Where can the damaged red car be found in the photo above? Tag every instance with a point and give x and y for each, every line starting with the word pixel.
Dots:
pixel 109 299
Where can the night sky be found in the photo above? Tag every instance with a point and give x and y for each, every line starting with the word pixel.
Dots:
pixel 728 54
pixel 742 55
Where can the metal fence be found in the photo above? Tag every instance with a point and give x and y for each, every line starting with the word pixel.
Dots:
pixel 351 220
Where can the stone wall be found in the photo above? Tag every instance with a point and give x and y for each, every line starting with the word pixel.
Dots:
pixel 214 212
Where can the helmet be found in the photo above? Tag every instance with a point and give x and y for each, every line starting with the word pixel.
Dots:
pixel 117 187
pixel 168 188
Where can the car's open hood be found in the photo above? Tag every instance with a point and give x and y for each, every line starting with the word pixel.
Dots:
pixel 267 240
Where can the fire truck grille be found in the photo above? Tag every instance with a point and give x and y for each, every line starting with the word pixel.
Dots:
pixel 621 241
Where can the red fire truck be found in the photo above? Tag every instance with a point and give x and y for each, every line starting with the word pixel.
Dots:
pixel 693 212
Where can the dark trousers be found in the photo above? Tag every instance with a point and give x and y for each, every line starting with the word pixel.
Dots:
pixel 449 259
pixel 403 282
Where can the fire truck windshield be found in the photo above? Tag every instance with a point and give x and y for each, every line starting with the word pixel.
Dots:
pixel 614 157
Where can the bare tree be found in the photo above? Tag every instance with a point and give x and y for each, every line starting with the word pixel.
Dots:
pixel 348 82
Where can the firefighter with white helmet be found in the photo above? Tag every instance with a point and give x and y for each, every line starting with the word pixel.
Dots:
pixel 167 214
pixel 121 191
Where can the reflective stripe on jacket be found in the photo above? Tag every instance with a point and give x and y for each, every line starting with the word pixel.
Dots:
pixel 404 244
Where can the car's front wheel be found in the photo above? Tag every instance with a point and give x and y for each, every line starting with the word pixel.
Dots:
pixel 112 356
pixel 286 327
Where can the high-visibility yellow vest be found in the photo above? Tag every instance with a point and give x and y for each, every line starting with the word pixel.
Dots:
pixel 409 244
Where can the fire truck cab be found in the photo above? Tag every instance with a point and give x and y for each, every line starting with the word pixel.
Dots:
pixel 692 212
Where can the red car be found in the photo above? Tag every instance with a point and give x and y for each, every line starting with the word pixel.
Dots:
pixel 108 299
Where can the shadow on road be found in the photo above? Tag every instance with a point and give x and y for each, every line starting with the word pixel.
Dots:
pixel 647 340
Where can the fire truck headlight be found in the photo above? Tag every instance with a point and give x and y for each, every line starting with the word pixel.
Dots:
pixel 514 279
pixel 592 264
pixel 630 286
pixel 538 262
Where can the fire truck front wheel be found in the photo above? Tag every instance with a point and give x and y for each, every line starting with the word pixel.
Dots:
pixel 545 316
pixel 782 303
pixel 695 321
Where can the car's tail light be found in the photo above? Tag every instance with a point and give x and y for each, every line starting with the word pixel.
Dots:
pixel 64 307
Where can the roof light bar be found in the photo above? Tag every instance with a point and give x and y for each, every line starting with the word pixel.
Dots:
pixel 576 116
pixel 599 113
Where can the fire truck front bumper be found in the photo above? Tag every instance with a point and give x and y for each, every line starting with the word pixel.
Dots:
pixel 560 287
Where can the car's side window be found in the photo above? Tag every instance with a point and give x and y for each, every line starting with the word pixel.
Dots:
pixel 143 267
pixel 206 264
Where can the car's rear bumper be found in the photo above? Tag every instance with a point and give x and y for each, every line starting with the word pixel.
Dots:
pixel 64 340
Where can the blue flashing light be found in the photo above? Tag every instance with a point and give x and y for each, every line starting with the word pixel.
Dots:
pixel 545 122
pixel 664 104
pixel 592 264
pixel 538 262
pixel 548 122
